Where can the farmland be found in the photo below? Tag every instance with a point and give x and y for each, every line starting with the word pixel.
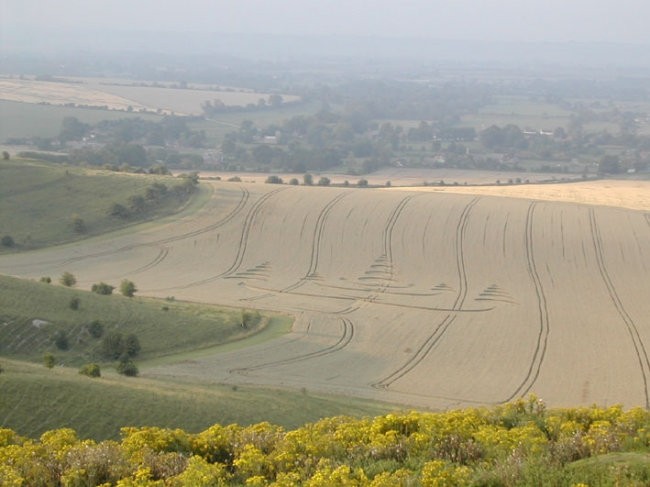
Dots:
pixel 423 299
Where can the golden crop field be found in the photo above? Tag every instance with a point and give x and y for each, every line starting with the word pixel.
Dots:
pixel 427 299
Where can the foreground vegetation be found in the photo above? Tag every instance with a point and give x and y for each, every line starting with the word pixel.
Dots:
pixel 47 204
pixel 516 444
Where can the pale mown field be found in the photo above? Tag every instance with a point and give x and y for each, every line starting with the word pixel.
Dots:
pixel 427 299
pixel 96 92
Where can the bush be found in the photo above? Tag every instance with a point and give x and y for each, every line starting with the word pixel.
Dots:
pixel 234 179
pixel 46 279
pixel 308 179
pixel 48 360
pixel 95 328
pixel 274 180
pixel 78 225
pixel 74 303
pixel 90 370
pixel 102 288
pixel 131 346
pixel 7 241
pixel 127 367
pixel 362 183
pixel 67 279
pixel 113 345
pixel 61 340
pixel 323 181
pixel 293 182
pixel 127 288
pixel 119 211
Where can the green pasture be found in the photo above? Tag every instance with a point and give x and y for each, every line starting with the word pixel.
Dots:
pixel 41 202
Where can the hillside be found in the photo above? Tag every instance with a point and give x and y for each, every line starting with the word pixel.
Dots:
pixel 425 299
pixel 48 204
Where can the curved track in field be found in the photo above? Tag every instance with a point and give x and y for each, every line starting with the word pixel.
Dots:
pixel 436 301
pixel 542 308
pixel 632 328
pixel 425 348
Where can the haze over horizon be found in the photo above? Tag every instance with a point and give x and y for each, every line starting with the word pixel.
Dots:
pixel 607 21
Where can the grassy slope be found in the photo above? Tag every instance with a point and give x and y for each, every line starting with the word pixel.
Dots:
pixel 35 399
pixel 163 327
pixel 40 201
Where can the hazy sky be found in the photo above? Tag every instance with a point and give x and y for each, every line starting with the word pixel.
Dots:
pixel 512 20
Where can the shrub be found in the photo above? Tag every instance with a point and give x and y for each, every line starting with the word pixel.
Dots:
pixel 7 241
pixel 119 211
pixel 61 340
pixel 46 279
pixel 48 360
pixel 102 288
pixel 234 179
pixel 113 345
pixel 293 182
pixel 308 179
pixel 67 279
pixel 78 225
pixel 274 180
pixel 90 370
pixel 95 328
pixel 131 345
pixel 324 181
pixel 74 303
pixel 5 155
pixel 127 367
pixel 127 288
pixel 362 183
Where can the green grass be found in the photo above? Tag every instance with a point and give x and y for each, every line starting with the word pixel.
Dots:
pixel 35 399
pixel 40 202
pixel 162 327
pixel 26 120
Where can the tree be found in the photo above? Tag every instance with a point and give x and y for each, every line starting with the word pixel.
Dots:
pixel 74 303
pixel 127 367
pixel 7 241
pixel 95 328
pixel 5 155
pixel 78 225
pixel 293 182
pixel 68 279
pixel 113 345
pixel 46 279
pixel 609 165
pixel 362 183
pixel 48 360
pixel 127 288
pixel 90 370
pixel 308 179
pixel 102 288
pixel 274 180
pixel 324 181
pixel 61 340
pixel 131 346
pixel 118 210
